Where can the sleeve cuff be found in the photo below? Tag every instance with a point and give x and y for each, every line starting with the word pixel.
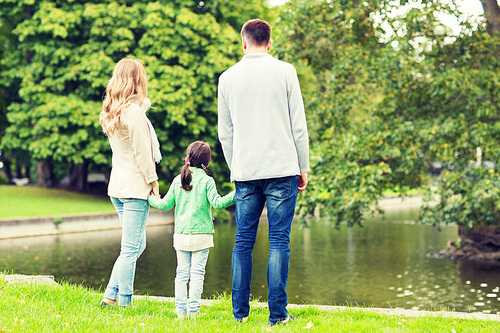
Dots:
pixel 151 178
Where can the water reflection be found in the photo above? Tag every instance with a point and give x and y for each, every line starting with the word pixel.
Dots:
pixel 382 264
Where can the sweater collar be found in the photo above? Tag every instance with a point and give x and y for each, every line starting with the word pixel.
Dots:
pixel 256 56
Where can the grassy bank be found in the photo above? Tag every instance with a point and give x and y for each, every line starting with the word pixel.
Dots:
pixel 70 308
pixel 28 201
pixel 22 201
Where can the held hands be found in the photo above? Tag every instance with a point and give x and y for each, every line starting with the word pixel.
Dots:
pixel 302 181
pixel 155 189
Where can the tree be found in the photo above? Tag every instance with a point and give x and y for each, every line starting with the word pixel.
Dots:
pixel 65 53
pixel 451 97
pixel 492 15
pixel 420 93
pixel 9 94
pixel 336 44
pixel 54 118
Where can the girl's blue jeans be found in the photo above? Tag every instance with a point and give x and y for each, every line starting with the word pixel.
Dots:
pixel 281 197
pixel 190 266
pixel 133 214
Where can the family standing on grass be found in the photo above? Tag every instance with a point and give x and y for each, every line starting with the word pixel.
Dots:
pixel 263 133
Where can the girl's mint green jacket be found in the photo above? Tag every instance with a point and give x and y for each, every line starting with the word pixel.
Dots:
pixel 192 211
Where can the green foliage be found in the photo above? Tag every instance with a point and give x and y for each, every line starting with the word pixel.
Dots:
pixel 222 215
pixel 63 53
pixel 388 99
pixel 185 53
pixel 467 198
pixel 451 98
pixel 350 168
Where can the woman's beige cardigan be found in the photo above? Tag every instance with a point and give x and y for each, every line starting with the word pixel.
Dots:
pixel 133 166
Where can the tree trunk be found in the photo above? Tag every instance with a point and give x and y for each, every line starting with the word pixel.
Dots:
pixel 8 173
pixel 45 174
pixel 27 173
pixel 492 14
pixel 19 170
pixel 484 238
pixel 78 181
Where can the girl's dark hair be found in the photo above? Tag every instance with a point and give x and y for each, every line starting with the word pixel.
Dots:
pixel 198 155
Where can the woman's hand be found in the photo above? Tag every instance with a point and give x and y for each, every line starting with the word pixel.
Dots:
pixel 155 189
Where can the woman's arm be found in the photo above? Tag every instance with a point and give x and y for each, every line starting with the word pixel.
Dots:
pixel 140 139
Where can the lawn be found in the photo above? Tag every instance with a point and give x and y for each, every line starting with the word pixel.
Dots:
pixel 22 201
pixel 25 201
pixel 73 308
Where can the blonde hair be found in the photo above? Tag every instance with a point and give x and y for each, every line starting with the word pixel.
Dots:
pixel 129 82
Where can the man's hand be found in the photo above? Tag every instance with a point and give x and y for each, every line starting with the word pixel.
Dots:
pixel 155 190
pixel 302 181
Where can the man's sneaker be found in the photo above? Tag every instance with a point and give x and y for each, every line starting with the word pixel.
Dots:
pixel 285 321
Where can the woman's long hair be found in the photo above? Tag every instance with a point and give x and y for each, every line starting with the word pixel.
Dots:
pixel 198 155
pixel 129 82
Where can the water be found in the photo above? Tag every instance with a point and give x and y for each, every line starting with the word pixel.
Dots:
pixel 382 264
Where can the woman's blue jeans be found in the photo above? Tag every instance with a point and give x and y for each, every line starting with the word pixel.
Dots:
pixel 133 214
pixel 190 267
pixel 281 197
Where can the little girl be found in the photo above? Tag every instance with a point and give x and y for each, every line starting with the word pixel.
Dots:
pixel 193 192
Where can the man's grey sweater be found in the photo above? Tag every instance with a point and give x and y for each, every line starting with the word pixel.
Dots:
pixel 261 119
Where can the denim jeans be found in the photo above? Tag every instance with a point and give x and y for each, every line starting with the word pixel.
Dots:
pixel 281 197
pixel 133 214
pixel 190 266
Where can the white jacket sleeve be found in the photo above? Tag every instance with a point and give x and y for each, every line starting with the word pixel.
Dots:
pixel 140 139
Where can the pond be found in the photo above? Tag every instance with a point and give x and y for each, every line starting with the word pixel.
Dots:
pixel 382 264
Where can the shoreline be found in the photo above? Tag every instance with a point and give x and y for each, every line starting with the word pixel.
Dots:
pixel 65 224
pixel 49 279
pixel 18 227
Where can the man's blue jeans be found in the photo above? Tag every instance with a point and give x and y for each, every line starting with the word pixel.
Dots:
pixel 281 197
pixel 133 214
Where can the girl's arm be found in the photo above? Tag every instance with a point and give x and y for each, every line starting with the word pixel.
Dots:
pixel 215 199
pixel 166 203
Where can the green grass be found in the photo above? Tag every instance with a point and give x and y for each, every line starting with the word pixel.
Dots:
pixel 73 308
pixel 27 201
pixel 22 201
pixel 396 192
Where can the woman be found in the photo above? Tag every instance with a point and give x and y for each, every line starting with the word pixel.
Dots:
pixel 133 176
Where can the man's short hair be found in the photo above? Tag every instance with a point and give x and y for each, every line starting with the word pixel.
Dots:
pixel 256 32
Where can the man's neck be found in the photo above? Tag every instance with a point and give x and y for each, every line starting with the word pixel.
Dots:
pixel 254 50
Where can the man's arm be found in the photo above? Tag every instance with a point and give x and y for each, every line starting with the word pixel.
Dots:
pixel 299 126
pixel 225 127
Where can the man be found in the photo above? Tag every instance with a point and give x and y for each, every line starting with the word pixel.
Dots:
pixel 263 132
